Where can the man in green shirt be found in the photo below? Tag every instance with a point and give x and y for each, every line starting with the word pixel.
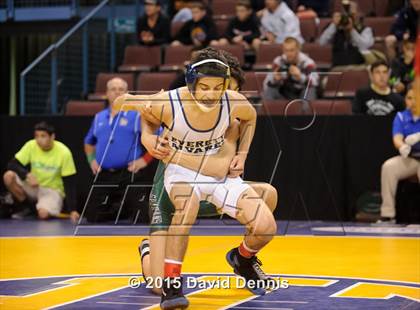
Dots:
pixel 43 171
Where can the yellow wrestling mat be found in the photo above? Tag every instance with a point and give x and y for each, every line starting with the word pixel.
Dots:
pixel 323 272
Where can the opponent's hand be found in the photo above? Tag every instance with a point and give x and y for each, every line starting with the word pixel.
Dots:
pixel 405 150
pixel 157 146
pixel 237 166
pixel 121 103
pixel 31 180
pixel 94 166
pixel 136 165
pixel 412 139
pixel 74 217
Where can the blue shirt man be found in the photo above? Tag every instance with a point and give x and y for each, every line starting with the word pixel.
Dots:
pixel 117 139
pixel 407 125
pixel 113 140
pixel 114 152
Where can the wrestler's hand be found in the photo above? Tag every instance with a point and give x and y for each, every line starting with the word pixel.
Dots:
pixel 237 166
pixel 157 146
pixel 125 102
pixel 128 102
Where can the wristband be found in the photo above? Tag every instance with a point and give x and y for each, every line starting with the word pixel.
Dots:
pixel 147 158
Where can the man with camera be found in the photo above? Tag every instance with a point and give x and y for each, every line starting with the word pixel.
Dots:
pixel 350 39
pixel 294 74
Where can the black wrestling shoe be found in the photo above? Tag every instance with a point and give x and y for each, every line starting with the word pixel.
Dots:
pixel 144 250
pixel 250 269
pixel 172 296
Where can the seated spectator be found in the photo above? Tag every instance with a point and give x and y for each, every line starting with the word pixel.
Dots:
pixel 406 138
pixel 402 68
pixel 113 150
pixel 153 27
pixel 320 7
pixel 378 98
pixel 349 38
pixel 244 28
pixel 200 30
pixel 405 27
pixel 293 71
pixel 42 173
pixel 183 12
pixel 278 22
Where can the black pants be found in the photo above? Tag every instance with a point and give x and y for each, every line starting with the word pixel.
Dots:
pixel 118 195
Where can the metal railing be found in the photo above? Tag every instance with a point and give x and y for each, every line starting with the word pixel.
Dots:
pixel 66 69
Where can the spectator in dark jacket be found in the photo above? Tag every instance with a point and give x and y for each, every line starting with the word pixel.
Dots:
pixel 243 28
pixel 153 27
pixel 200 30
pixel 405 27
pixel 402 69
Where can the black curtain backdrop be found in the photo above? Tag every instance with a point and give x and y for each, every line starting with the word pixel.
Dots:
pixel 318 172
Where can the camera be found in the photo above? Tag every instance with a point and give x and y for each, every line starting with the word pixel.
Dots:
pixel 345 15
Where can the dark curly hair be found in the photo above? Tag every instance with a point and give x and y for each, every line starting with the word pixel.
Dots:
pixel 211 69
pixel 207 53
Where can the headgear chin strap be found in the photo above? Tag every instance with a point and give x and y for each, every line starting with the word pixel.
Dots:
pixel 193 73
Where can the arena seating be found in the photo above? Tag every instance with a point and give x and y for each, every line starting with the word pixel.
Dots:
pixel 266 55
pixel 152 82
pixel 332 107
pixel 381 26
pixel 174 58
pixel 221 25
pixel 223 9
pixel 78 108
pixel 236 50
pixel 103 78
pixel 321 107
pixel 322 55
pixel 253 84
pixel 345 84
pixel 309 29
pixel 140 58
